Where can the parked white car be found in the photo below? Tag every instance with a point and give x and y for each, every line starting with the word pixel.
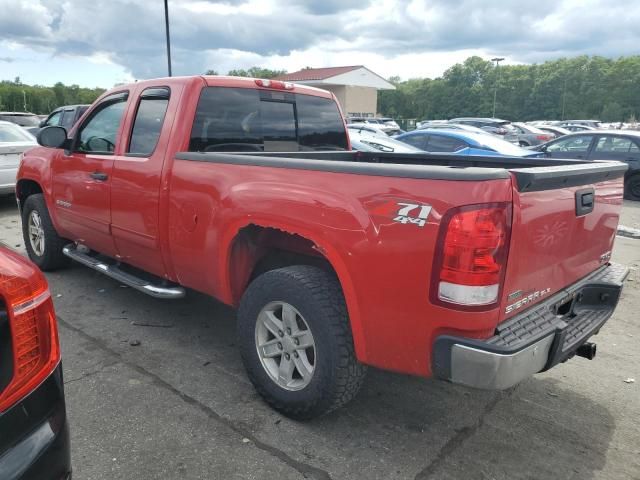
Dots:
pixel 370 142
pixel 13 141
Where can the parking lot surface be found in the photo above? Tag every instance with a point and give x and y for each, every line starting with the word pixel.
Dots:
pixel 156 390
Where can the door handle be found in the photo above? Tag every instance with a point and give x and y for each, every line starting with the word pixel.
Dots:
pixel 99 176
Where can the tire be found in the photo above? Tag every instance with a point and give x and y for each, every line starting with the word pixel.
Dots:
pixel 49 255
pixel 317 299
pixel 523 144
pixel 632 187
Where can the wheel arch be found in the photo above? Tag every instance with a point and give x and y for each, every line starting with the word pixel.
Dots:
pixel 25 187
pixel 255 247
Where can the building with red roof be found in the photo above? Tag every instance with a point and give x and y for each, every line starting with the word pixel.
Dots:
pixel 356 87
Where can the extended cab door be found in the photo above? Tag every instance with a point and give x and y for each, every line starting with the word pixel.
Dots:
pixel 137 177
pixel 81 177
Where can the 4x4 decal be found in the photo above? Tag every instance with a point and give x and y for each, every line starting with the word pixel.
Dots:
pixel 413 213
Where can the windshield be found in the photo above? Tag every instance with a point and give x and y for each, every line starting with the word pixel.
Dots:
pixel 502 146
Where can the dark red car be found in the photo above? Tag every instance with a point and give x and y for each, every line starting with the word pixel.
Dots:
pixel 34 437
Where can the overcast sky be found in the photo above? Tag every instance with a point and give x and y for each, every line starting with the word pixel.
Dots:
pixel 103 42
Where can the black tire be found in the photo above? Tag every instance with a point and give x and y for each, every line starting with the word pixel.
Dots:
pixel 523 144
pixel 632 187
pixel 52 257
pixel 317 296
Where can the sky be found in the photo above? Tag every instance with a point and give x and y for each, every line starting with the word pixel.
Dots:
pixel 99 43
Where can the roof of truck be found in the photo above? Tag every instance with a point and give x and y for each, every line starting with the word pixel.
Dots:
pixel 220 81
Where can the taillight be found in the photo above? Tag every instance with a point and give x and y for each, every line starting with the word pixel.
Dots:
pixel 471 256
pixel 544 138
pixel 32 325
pixel 277 84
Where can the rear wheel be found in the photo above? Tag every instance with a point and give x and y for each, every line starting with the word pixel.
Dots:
pixel 523 144
pixel 632 187
pixel 296 343
pixel 41 240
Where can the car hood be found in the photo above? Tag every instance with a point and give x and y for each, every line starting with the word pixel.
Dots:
pixel 16 147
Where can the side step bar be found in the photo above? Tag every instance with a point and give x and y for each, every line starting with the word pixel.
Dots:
pixel 158 291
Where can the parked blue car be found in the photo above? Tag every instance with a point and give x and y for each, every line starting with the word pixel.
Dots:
pixel 464 143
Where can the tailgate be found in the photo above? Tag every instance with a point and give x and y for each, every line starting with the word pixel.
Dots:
pixel 564 224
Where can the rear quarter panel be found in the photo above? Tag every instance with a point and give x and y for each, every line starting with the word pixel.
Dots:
pixel 384 266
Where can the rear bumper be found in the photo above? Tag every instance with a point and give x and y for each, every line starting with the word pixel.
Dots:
pixel 534 340
pixel 34 435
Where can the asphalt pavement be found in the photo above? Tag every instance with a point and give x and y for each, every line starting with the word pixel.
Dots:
pixel 156 390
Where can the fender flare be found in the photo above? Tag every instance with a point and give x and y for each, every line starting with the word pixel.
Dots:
pixel 329 252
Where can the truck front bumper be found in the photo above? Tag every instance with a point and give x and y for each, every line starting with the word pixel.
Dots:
pixel 536 339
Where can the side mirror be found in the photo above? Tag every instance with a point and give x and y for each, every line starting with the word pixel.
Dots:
pixel 43 123
pixel 53 137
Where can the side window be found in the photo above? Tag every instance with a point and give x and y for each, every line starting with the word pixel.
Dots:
pixel 615 145
pixel 68 117
pixel 54 120
pixel 149 120
pixel 418 141
pixel 578 143
pixel 440 143
pixel 98 134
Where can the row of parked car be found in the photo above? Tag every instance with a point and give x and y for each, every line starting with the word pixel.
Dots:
pixel 496 137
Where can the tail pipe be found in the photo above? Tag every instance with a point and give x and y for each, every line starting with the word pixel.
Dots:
pixel 587 350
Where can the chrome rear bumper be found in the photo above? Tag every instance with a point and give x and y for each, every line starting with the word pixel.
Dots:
pixel 536 339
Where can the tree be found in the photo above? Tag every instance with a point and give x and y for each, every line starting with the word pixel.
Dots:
pixel 211 72
pixel 42 100
pixel 579 87
pixel 257 72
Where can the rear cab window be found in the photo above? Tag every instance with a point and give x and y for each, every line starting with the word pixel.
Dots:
pixel 243 120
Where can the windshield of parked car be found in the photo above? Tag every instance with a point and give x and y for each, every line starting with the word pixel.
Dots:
pixel 494 143
pixel 13 133
pixel 244 119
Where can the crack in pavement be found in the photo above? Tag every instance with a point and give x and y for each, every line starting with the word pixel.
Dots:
pixel 461 436
pixel 91 373
pixel 307 471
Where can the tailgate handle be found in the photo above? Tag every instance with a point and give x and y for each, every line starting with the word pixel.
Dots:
pixel 585 200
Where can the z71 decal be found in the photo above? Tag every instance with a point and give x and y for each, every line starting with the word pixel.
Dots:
pixel 413 213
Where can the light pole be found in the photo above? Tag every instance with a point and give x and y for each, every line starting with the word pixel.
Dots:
pixel 24 97
pixel 495 90
pixel 564 94
pixel 166 24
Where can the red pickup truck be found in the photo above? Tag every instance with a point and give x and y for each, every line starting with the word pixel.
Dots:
pixel 479 271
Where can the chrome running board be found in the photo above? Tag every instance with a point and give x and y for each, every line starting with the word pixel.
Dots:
pixel 113 271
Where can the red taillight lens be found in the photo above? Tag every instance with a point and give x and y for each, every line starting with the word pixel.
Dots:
pixel 544 138
pixel 471 257
pixel 34 336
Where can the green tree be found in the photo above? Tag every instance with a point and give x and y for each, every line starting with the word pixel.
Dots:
pixel 579 87
pixel 256 72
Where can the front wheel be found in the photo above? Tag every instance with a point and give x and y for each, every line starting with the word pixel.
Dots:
pixel 41 240
pixel 296 342
pixel 632 187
